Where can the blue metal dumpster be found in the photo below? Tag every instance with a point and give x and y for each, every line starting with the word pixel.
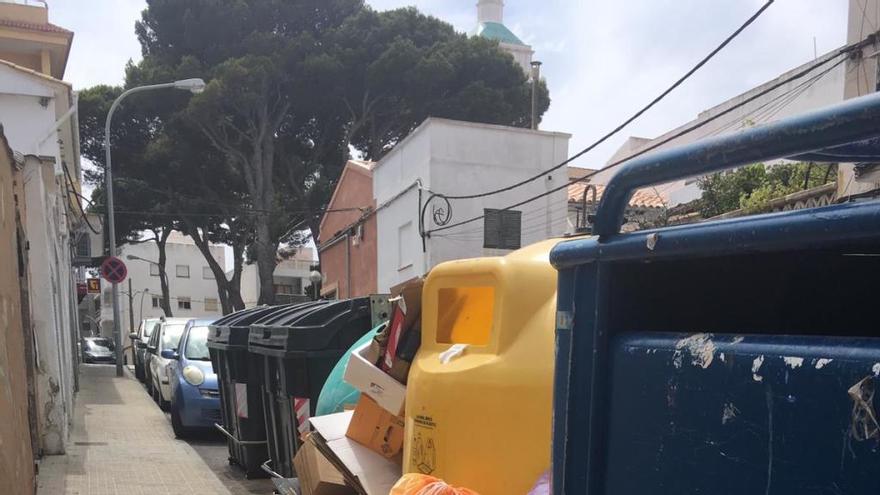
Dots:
pixel 729 357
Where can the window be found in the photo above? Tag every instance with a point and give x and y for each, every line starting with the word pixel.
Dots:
pixel 207 274
pixel 156 301
pixel 283 289
pixel 182 271
pixel 184 303
pixel 502 229
pixel 171 336
pixel 84 246
pixel 210 304
pixel 197 344
pixel 154 269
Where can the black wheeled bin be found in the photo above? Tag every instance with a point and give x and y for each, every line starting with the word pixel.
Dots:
pixel 297 348
pixel 239 380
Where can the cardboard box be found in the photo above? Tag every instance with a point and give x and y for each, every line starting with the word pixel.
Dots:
pixel 368 472
pixel 316 474
pixel 376 428
pixel 363 375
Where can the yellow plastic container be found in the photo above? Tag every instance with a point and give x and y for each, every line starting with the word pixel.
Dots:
pixel 483 419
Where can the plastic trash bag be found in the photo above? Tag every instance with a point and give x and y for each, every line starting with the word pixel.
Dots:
pixel 421 484
pixel 336 393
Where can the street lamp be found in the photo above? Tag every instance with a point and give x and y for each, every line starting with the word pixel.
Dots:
pixel 315 277
pixel 195 86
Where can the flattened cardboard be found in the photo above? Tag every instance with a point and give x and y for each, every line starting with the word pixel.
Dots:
pixel 317 475
pixel 368 472
pixel 376 428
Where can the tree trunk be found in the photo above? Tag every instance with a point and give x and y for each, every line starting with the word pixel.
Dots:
pixel 161 241
pixel 235 299
pixel 266 252
pixel 228 291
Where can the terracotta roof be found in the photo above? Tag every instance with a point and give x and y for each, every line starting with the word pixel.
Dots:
pixel 643 198
pixel 31 26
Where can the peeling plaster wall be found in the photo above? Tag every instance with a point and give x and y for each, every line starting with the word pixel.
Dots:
pixel 50 302
pixel 16 455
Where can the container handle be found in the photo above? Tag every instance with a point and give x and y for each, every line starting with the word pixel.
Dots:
pixel 851 121
pixel 265 467
pixel 236 440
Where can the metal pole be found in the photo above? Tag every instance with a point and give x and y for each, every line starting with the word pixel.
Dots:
pixel 131 315
pixel 111 218
pixel 536 78
pixel 141 311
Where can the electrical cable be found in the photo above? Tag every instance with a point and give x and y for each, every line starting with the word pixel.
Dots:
pixel 685 131
pixel 72 189
pixel 628 121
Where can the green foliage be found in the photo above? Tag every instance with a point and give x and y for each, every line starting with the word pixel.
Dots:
pixel 753 187
pixel 292 84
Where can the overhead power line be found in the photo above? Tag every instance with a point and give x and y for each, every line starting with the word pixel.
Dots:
pixel 839 57
pixel 628 121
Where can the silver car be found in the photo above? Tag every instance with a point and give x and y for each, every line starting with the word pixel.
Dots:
pixel 165 337
pixel 139 343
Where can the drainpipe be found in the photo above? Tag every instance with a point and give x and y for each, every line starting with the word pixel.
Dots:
pixel 348 263
pixel 74 109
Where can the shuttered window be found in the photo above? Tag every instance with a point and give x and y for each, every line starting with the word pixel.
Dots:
pixel 502 229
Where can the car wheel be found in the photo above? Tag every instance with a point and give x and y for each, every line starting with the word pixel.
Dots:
pixel 179 430
pixel 155 394
pixel 139 372
pixel 149 386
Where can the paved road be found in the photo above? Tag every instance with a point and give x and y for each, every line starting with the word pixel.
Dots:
pixel 122 443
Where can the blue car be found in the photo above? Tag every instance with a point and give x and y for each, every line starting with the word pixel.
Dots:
pixel 195 398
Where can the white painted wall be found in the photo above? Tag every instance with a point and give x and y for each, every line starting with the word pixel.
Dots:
pixel 51 300
pixel 297 267
pixel 197 287
pixel 459 158
pixel 29 106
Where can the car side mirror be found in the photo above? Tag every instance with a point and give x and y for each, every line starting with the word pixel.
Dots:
pixel 133 336
pixel 170 354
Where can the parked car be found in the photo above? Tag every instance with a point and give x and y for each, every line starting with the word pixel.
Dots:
pixel 98 350
pixel 139 340
pixel 195 397
pixel 165 337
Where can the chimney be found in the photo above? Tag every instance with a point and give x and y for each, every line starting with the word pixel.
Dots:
pixel 490 11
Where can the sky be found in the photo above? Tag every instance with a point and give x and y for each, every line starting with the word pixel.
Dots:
pixel 602 60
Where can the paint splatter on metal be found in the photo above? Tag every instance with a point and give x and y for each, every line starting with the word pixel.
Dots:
pixel 756 365
pixel 700 348
pixel 821 363
pixel 793 362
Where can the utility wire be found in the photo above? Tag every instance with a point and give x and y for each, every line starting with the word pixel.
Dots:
pixel 72 189
pixel 628 121
pixel 685 131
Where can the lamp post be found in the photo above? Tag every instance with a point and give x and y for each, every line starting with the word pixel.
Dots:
pixel 193 85
pixel 141 311
pixel 315 277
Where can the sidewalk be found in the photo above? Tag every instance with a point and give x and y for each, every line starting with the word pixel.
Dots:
pixel 122 443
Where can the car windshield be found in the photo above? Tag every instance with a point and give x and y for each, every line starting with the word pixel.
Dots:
pixel 171 336
pixel 197 344
pixel 95 344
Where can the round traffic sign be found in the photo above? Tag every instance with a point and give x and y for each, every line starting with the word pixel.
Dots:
pixel 114 270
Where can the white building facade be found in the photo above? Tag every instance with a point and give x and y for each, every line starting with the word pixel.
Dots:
pixel 191 284
pixel 291 280
pixel 461 158
pixel 35 111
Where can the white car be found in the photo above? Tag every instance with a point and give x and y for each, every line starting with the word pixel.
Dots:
pixel 164 340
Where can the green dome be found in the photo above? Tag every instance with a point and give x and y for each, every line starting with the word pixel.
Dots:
pixel 498 32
